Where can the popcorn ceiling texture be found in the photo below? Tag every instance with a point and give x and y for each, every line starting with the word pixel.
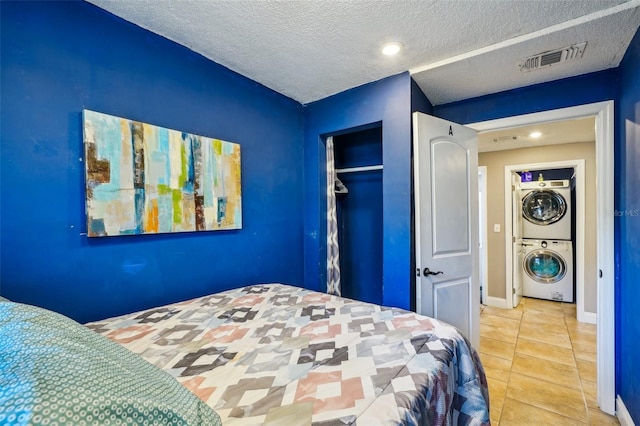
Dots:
pixel 308 50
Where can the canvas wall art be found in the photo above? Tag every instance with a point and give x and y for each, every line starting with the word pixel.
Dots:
pixel 145 179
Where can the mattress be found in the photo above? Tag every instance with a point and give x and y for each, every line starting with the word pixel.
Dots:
pixel 282 355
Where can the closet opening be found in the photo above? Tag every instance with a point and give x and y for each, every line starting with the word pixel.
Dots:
pixel 358 165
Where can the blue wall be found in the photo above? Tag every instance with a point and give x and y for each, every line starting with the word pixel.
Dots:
pixel 419 101
pixel 628 206
pixel 61 57
pixel 388 102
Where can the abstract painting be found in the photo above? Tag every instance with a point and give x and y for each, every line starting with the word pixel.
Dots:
pixel 145 179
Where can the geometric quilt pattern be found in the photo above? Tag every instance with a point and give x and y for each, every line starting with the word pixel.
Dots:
pixel 282 355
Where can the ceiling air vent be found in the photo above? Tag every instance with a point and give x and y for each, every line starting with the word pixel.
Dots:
pixel 552 57
pixel 505 139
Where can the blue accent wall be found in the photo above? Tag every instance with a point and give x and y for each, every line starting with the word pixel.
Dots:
pixel 386 101
pixel 61 57
pixel 628 207
pixel 419 102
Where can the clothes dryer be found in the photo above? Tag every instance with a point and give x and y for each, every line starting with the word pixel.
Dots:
pixel 547 270
pixel 546 210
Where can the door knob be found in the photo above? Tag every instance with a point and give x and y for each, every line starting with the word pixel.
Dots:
pixel 427 271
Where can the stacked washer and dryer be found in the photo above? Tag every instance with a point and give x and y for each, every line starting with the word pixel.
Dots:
pixel 547 267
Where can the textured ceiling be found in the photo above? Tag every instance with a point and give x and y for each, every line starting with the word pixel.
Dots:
pixel 310 49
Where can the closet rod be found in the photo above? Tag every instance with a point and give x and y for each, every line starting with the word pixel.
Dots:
pixel 359 169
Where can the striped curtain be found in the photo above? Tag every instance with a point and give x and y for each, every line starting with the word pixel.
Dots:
pixel 333 250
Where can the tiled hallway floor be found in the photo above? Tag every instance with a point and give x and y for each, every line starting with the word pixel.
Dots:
pixel 540 365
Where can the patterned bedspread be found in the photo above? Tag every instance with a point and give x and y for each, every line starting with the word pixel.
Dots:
pixel 281 355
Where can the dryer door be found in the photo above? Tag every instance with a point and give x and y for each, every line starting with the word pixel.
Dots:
pixel 545 266
pixel 543 207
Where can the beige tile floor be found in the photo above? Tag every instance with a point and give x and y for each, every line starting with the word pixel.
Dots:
pixel 540 365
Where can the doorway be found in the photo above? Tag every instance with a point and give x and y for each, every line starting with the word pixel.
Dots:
pixel 579 208
pixel 603 112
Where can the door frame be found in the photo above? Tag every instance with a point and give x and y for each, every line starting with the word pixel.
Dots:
pixel 579 166
pixel 484 253
pixel 516 202
pixel 603 112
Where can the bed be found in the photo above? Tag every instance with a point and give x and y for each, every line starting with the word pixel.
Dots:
pixel 280 355
pixel 54 371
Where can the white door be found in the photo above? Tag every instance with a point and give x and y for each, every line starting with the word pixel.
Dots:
pixel 446 225
pixel 518 250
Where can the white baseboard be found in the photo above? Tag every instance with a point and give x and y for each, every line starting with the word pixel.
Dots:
pixel 623 415
pixel 588 317
pixel 496 302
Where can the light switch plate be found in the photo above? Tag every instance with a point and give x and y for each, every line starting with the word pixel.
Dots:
pixel 496 227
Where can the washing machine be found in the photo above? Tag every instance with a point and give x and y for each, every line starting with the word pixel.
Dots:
pixel 547 270
pixel 546 209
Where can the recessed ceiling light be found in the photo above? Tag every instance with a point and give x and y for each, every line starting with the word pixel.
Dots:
pixel 535 135
pixel 391 48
